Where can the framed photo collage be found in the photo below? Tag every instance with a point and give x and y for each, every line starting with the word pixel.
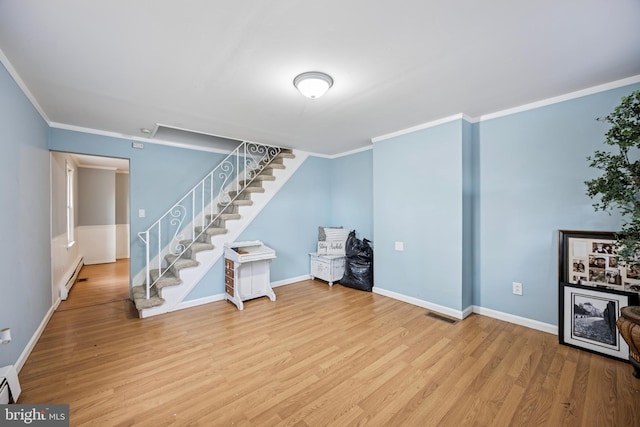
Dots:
pixel 593 287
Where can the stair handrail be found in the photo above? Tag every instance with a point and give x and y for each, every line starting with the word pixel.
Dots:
pixel 235 173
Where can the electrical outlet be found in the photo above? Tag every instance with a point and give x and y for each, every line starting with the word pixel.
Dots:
pixel 517 288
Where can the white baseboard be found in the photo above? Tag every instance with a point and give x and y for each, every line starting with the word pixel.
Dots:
pixel 220 297
pixel 199 301
pixel 506 317
pixel 522 321
pixel 35 337
pixel 290 281
pixel 457 314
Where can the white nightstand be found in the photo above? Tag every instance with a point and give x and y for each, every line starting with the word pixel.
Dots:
pixel 327 267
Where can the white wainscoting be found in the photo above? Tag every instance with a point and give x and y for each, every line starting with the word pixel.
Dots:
pixel 97 243
pixel 64 261
pixel 122 241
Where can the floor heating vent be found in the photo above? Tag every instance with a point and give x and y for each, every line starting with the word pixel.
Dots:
pixel 439 317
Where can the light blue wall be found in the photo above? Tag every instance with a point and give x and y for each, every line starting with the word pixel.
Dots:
pixel 159 175
pixel 25 261
pixel 351 186
pixel 417 199
pixel 478 206
pixel 532 168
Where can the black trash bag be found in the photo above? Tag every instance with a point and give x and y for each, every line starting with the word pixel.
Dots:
pixel 358 269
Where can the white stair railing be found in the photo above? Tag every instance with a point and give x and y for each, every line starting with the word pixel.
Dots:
pixel 174 234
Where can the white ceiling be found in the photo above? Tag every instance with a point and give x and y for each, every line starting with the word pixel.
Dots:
pixel 226 67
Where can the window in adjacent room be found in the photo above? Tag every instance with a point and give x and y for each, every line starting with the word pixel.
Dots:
pixel 70 215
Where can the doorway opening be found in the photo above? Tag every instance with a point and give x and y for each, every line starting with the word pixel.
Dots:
pixel 90 224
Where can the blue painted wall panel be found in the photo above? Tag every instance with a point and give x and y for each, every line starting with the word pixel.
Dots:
pixel 350 178
pixel 532 171
pixel 25 257
pixel 417 188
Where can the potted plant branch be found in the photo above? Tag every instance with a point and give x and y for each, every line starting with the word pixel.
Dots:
pixel 618 188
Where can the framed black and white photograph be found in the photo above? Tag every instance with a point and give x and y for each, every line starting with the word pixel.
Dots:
pixel 587 319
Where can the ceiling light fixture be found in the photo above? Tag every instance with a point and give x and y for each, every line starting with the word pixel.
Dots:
pixel 313 84
pixel 145 131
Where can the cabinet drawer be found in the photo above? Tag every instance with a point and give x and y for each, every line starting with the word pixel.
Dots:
pixel 228 281
pixel 228 264
pixel 229 290
pixel 228 272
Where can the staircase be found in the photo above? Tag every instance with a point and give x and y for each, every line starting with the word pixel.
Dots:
pixel 183 245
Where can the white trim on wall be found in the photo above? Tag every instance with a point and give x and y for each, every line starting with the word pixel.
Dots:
pixel 35 337
pixel 458 314
pixel 64 262
pixel 531 106
pixel 506 317
pixel 122 241
pixel 422 126
pixel 566 97
pixel 518 320
pixel 97 243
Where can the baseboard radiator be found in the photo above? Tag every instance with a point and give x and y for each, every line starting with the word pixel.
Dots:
pixel 64 290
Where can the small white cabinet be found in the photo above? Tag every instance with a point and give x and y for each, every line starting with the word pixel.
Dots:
pixel 327 267
pixel 247 272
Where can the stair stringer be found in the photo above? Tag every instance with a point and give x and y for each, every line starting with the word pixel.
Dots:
pixel 174 295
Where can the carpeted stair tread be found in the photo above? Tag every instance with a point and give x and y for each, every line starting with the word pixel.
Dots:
pixel 226 216
pixel 264 178
pixel 212 231
pixel 276 166
pixel 167 279
pixel 286 155
pixel 140 298
pixel 237 202
pixel 179 263
pixel 251 189
pixel 197 246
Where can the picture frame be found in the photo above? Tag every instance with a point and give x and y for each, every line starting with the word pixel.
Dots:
pixel 587 319
pixel 590 258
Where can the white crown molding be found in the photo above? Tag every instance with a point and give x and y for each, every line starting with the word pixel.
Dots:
pixel 561 98
pixel 23 87
pixel 423 126
pixel 531 106
pixel 343 154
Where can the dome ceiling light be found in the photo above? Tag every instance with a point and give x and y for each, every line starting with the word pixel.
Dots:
pixel 313 84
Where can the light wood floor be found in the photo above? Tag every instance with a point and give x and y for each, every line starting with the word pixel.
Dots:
pixel 318 356
pixel 99 284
